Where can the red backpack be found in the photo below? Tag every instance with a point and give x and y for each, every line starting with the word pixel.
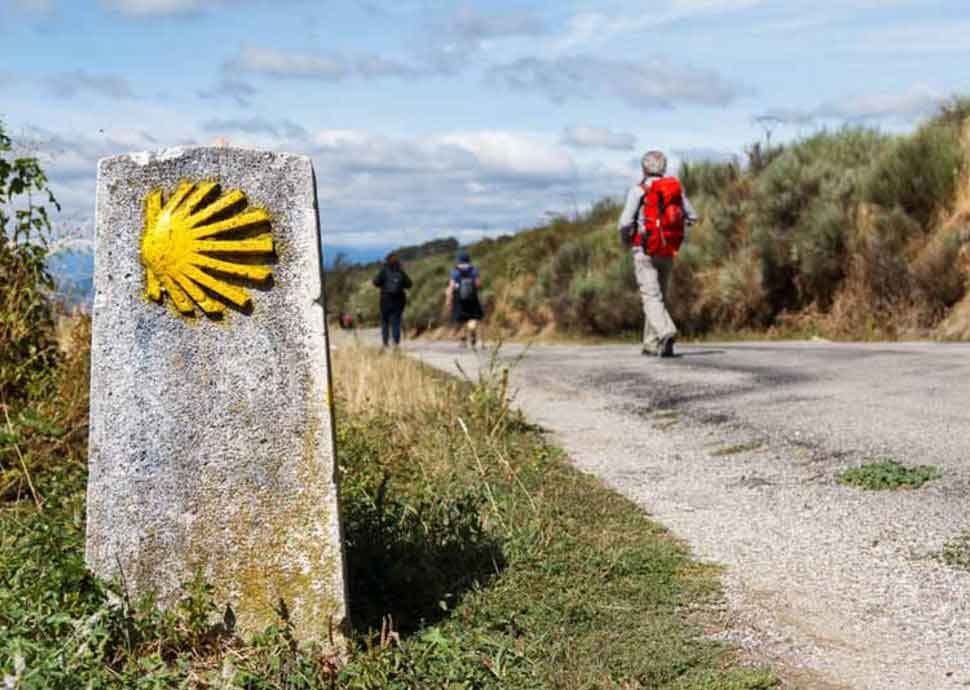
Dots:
pixel 663 217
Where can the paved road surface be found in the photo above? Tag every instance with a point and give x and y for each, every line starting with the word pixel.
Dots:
pixel 736 448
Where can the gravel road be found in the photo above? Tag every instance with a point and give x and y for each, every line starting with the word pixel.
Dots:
pixel 736 449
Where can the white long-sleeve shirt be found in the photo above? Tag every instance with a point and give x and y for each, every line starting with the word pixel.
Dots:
pixel 634 199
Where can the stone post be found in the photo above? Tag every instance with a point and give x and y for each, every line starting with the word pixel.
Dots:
pixel 212 447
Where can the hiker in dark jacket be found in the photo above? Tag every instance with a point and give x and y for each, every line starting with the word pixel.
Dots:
pixel 393 282
pixel 462 298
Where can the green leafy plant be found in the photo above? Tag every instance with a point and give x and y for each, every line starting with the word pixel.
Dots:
pixel 27 338
pixel 889 474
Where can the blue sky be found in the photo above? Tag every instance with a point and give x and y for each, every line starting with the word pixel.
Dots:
pixel 428 118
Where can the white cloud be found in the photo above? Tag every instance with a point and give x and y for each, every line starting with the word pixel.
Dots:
pixel 275 63
pixel 587 137
pixel 142 9
pixel 916 102
pixel 375 66
pixel 471 25
pixel 280 64
pixel 515 155
pixel 694 155
pixel 602 29
pixel 146 8
pixel 255 125
pixel 71 84
pixel 919 38
pixel 900 105
pixel 585 28
pixel 229 88
pixel 392 190
pixel 645 84
pixel 35 5
pixel 476 181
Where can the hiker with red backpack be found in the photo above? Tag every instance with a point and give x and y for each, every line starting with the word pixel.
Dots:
pixel 654 224
pixel 393 282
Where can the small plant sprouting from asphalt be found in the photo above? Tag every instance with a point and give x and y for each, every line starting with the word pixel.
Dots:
pixel 956 551
pixel 889 474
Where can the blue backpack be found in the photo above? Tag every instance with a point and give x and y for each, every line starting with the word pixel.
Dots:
pixel 466 284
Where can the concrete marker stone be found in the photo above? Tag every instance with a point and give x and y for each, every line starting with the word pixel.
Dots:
pixel 211 447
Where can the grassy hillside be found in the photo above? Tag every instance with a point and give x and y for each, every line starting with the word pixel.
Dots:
pixel 846 234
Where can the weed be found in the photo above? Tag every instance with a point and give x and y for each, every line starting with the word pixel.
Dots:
pixel 737 448
pixel 889 474
pixel 666 414
pixel 956 551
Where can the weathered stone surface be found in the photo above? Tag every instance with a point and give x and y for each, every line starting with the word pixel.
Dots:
pixel 211 439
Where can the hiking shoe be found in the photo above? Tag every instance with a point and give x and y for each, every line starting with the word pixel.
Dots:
pixel 669 346
pixel 665 348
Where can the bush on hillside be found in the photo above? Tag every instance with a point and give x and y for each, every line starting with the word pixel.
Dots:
pixel 919 173
pixel 803 207
pixel 708 178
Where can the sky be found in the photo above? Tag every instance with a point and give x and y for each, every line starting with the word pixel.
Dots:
pixel 427 118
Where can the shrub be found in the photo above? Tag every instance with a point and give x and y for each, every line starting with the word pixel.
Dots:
pixel 27 336
pixel 937 274
pixel 954 112
pixel 760 157
pixel 803 208
pixel 708 178
pixel 919 173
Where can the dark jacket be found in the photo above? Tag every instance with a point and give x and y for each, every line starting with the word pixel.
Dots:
pixel 388 276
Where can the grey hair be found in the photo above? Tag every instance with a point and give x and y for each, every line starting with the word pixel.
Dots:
pixel 654 163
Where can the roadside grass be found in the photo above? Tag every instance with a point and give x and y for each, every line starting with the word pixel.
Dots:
pixel 956 551
pixel 889 474
pixel 478 558
pixel 568 584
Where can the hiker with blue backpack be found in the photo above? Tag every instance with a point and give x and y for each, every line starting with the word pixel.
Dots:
pixel 393 283
pixel 461 298
pixel 654 225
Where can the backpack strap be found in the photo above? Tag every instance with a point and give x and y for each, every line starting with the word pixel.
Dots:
pixel 640 204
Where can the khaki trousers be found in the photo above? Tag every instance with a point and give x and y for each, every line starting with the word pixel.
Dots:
pixel 653 277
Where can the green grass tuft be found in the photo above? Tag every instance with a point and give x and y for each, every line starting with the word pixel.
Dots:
pixel 956 551
pixel 737 448
pixel 889 474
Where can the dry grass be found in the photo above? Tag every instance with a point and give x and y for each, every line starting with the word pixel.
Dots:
pixel 367 380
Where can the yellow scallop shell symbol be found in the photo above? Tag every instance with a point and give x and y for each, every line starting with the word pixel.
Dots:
pixel 182 236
